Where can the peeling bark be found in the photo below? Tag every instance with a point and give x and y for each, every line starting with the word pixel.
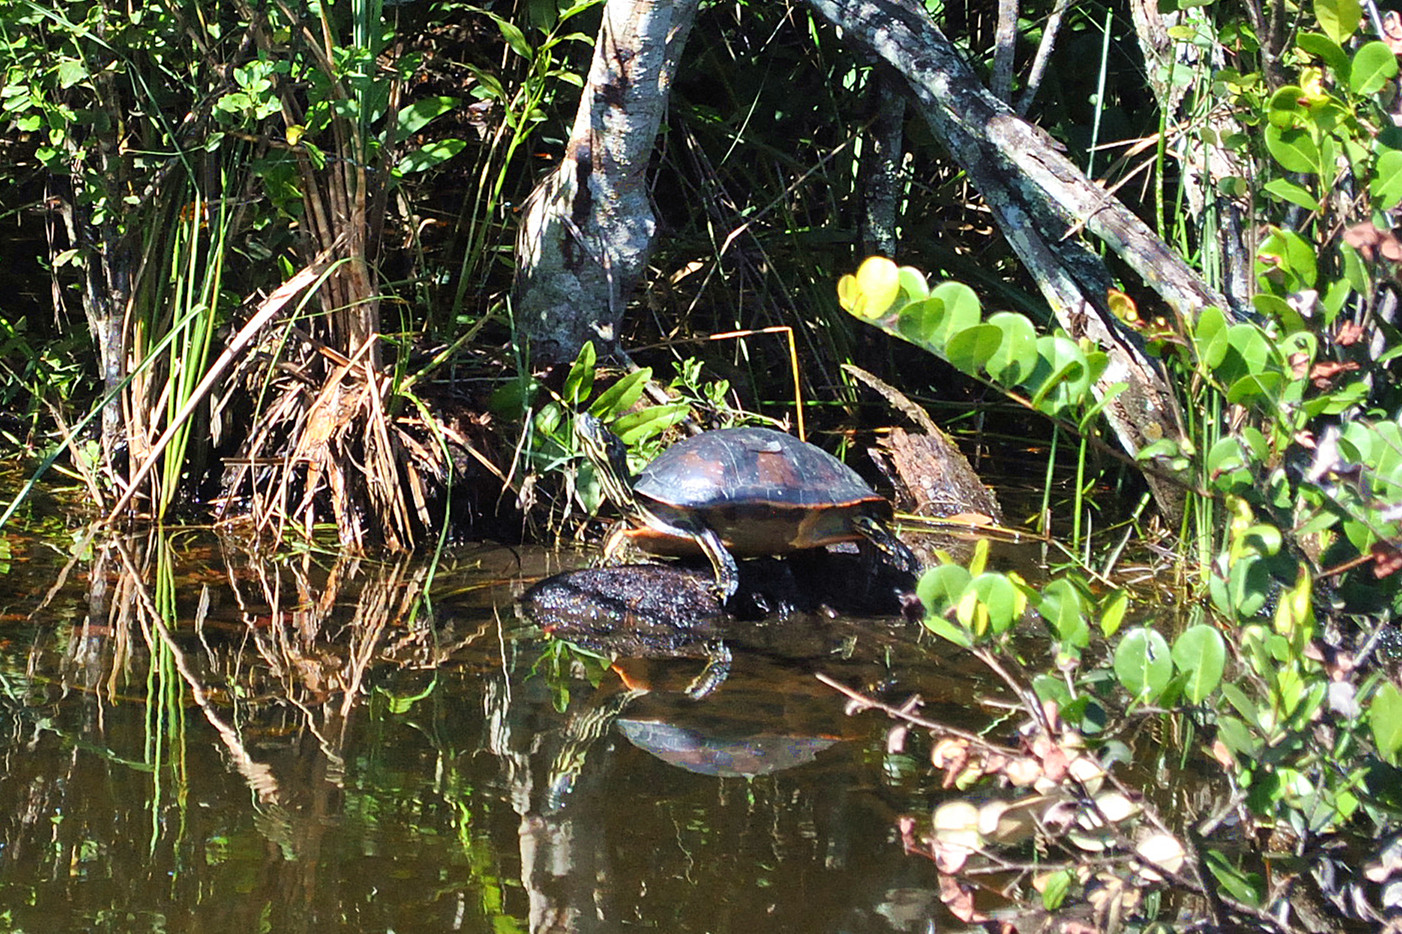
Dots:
pixel 1041 201
pixel 587 229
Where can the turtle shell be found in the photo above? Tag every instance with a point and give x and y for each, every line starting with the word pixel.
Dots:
pixel 762 491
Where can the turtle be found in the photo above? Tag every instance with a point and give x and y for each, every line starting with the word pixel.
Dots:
pixel 738 491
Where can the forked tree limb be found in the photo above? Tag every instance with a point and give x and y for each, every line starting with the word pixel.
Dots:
pixel 1041 201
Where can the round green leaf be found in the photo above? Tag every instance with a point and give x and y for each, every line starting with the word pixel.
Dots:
pixel 1201 654
pixel 1016 355
pixel 1000 598
pixel 1061 606
pixel 1385 719
pixel 920 323
pixel 940 588
pixel 1284 108
pixel 1373 66
pixel 1326 49
pixel 971 348
pixel 1262 388
pixel 961 309
pixel 1386 185
pixel 1295 150
pixel 1210 336
pixel 1143 664
pixel 1338 18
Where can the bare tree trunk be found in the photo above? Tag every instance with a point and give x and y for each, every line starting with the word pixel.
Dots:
pixel 1041 201
pixel 586 233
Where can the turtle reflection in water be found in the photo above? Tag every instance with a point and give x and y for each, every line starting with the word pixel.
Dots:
pixel 745 491
pixel 723 756
pixel 635 611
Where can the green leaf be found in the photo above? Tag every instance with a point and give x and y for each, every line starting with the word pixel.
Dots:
pixel 580 382
pixel 1016 355
pixel 636 427
pixel 1238 738
pixel 1201 654
pixel 1338 18
pixel 416 116
pixel 971 348
pixel 1284 109
pixel 621 396
pixel 1247 888
pixel 1061 606
pixel 1295 150
pixel 961 309
pixel 1000 598
pixel 1210 336
pixel 1386 185
pixel 1293 255
pixel 1143 664
pixel 1257 387
pixel 1327 50
pixel 1385 719
pixel 1286 190
pixel 919 322
pixel 912 284
pixel 514 37
pixel 70 72
pixel 1373 66
pixel 426 158
pixel 1054 889
pixel 941 588
pixel 1112 613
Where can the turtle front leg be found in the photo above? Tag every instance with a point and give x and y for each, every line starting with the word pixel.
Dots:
pixel 616 545
pixel 727 573
pixel 895 551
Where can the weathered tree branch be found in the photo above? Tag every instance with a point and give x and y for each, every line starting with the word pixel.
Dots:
pixel 1041 200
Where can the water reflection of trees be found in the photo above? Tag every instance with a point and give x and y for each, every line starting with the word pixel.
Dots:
pixel 199 737
pixel 108 782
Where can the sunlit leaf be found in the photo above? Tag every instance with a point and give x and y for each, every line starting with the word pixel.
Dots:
pixel 621 396
pixel 416 116
pixel 580 381
pixel 1247 888
pixel 874 288
pixel 970 349
pixel 940 588
pixel 1385 720
pixel 1327 50
pixel 433 154
pixel 1338 18
pixel 1201 654
pixel 1016 355
pixel 1386 185
pixel 1112 613
pixel 1143 664
pixel 1373 66
pixel 1054 889
pixel 1294 149
pixel 641 426
pixel 1286 190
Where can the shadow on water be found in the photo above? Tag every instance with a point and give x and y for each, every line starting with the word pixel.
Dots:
pixel 203 739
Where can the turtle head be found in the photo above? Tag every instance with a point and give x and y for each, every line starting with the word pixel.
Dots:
pixel 609 455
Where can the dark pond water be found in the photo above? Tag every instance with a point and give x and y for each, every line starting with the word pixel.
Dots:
pixel 198 739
